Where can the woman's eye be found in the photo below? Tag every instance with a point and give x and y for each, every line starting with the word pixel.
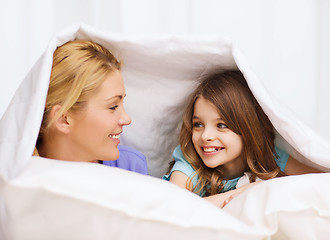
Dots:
pixel 197 125
pixel 114 107
pixel 222 125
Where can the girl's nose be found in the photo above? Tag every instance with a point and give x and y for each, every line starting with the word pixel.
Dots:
pixel 125 119
pixel 208 135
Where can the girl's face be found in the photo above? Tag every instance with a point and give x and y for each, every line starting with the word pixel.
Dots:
pixel 215 143
pixel 95 132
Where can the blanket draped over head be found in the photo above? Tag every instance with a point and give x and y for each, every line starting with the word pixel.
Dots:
pixel 50 199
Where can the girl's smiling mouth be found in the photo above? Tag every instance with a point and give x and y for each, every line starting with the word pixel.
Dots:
pixel 211 149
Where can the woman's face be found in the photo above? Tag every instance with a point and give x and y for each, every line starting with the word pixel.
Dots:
pixel 95 132
pixel 214 142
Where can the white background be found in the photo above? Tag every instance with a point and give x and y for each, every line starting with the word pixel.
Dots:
pixel 287 42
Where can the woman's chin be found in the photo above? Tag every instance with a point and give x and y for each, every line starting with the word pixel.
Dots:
pixel 114 155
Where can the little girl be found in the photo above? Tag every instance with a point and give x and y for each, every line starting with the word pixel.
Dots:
pixel 225 134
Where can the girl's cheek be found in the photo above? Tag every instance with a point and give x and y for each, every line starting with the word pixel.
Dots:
pixel 194 139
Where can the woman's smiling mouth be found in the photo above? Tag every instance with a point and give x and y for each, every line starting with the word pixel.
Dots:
pixel 114 136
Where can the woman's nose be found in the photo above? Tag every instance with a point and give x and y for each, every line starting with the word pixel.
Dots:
pixel 125 119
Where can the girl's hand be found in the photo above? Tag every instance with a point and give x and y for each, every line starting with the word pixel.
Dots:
pixel 222 199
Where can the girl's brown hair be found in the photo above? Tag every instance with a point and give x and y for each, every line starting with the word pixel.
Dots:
pixel 229 93
pixel 79 68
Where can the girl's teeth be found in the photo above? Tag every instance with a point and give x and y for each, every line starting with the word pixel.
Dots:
pixel 211 149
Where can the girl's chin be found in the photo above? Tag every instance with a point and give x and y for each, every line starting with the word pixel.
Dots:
pixel 211 164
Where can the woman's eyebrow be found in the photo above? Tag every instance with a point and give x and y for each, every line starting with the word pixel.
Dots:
pixel 115 97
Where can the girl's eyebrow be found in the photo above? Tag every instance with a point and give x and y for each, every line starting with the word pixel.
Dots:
pixel 196 117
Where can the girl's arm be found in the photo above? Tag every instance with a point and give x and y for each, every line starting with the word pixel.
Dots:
pixel 294 167
pixel 180 179
pixel 220 200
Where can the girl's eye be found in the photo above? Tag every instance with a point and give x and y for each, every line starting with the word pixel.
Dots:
pixel 197 125
pixel 222 125
pixel 114 107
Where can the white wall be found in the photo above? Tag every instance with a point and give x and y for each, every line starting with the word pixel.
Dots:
pixel 286 42
pixel 323 63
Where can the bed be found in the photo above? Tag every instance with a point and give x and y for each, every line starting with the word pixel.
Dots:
pixel 49 199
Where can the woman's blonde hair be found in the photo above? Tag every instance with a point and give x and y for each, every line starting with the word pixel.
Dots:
pixel 79 68
pixel 229 93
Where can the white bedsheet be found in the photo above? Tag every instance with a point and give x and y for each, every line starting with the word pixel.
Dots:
pixel 48 199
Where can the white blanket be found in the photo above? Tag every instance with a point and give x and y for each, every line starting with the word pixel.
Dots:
pixel 48 199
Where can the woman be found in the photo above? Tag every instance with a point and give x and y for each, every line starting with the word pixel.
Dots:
pixel 84 113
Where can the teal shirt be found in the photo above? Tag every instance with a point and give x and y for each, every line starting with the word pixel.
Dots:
pixel 183 166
